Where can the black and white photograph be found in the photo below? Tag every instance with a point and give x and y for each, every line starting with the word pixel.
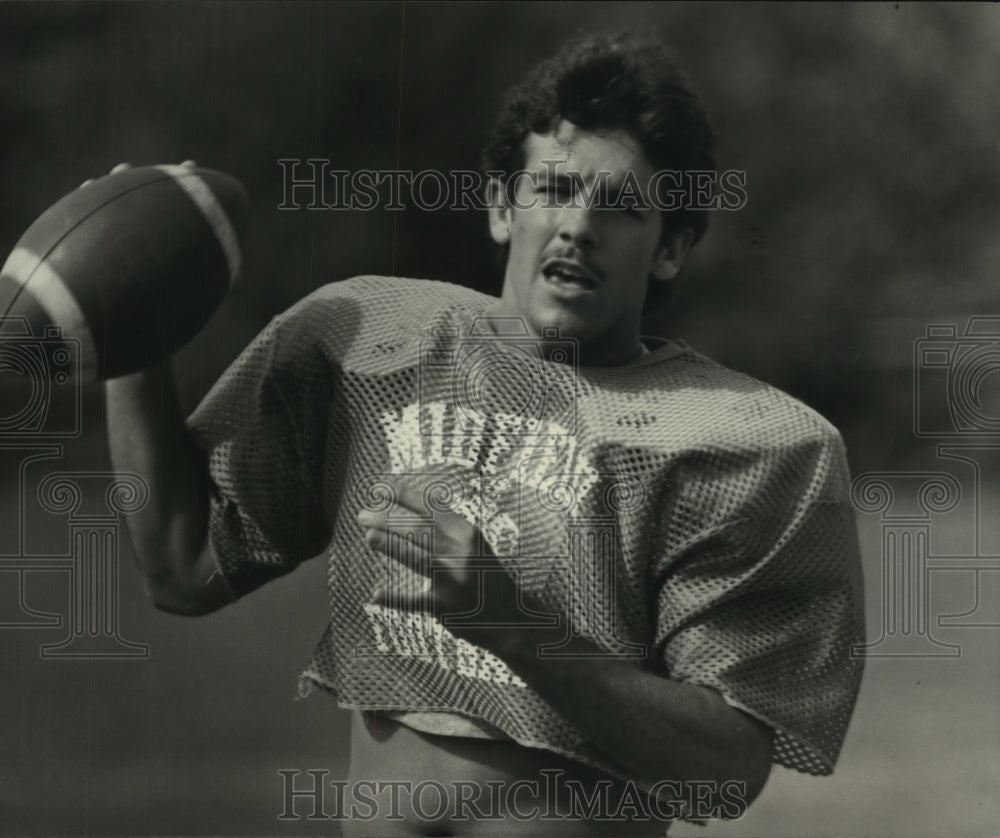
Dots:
pixel 500 419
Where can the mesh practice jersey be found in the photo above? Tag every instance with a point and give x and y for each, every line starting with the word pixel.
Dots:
pixel 680 514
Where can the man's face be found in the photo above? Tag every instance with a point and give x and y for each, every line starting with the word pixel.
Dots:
pixel 575 262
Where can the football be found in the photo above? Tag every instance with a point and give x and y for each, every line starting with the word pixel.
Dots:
pixel 123 271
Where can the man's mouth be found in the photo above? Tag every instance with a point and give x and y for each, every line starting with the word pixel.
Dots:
pixel 566 273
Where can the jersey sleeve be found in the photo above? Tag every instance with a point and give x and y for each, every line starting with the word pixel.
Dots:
pixel 263 427
pixel 760 593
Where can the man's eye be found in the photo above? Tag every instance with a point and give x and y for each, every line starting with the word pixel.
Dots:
pixel 626 206
pixel 615 205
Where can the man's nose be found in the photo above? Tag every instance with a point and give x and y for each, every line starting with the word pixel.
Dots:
pixel 579 225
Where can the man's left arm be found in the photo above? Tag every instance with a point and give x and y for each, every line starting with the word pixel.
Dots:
pixel 655 728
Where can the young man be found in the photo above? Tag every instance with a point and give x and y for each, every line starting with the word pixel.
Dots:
pixel 585 582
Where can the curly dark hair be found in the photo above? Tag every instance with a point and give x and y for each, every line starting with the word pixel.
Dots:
pixel 611 81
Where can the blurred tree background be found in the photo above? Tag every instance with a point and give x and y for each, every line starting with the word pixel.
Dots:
pixel 869 134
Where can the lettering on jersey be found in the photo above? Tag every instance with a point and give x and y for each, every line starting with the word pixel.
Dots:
pixel 518 458
pixel 417 634
pixel 536 497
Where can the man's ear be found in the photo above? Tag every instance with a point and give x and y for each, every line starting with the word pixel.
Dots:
pixel 670 254
pixel 499 211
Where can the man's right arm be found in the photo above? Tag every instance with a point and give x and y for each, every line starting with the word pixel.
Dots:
pixel 148 436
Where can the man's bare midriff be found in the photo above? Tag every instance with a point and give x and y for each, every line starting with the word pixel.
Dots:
pixel 492 787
